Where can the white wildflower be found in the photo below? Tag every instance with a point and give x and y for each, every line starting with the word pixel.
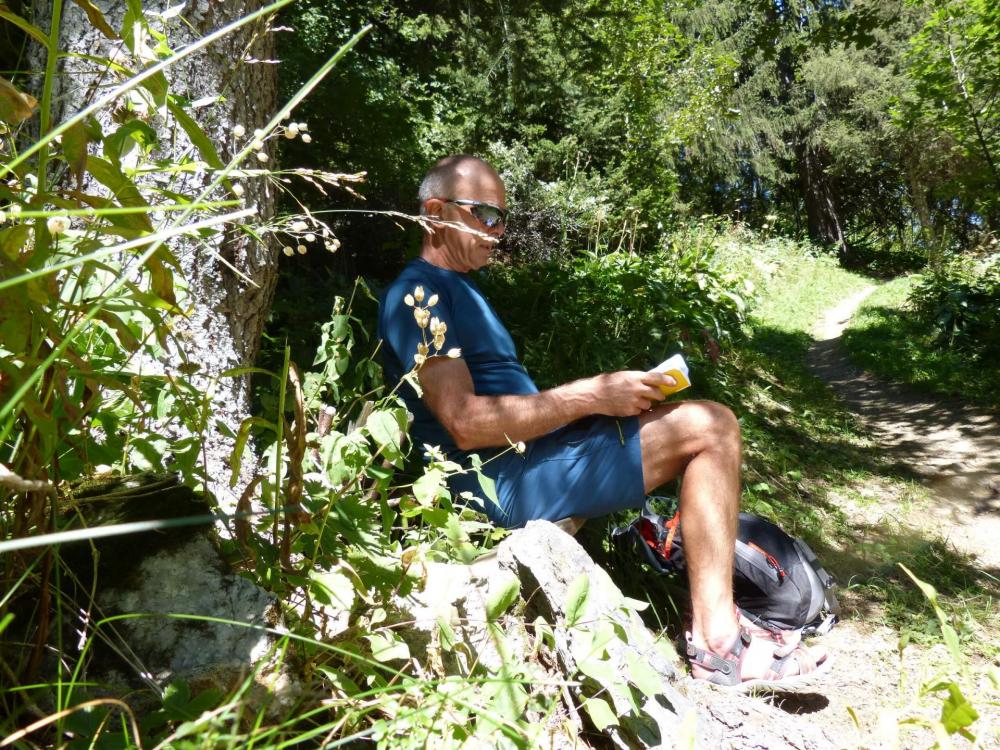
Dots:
pixel 57 225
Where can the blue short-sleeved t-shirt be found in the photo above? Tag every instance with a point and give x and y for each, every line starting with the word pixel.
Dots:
pixel 473 326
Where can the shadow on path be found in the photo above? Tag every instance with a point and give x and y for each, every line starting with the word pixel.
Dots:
pixel 954 448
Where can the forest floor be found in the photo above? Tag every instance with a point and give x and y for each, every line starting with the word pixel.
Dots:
pixel 954 452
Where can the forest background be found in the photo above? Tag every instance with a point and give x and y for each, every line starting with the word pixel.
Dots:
pixel 665 163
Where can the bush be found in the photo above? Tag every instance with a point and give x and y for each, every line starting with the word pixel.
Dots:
pixel 591 313
pixel 960 301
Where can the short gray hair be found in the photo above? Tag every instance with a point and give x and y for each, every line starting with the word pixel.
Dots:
pixel 439 182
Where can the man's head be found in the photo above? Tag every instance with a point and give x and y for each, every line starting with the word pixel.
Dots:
pixel 467 195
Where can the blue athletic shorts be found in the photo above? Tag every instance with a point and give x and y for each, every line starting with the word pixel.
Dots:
pixel 588 468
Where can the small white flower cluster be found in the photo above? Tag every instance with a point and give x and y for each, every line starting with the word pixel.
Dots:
pixel 291 131
pixel 438 328
pixel 300 232
pixel 297 129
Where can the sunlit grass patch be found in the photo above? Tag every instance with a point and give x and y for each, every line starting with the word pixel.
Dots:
pixel 885 338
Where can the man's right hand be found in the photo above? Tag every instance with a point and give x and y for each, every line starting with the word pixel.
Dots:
pixel 626 393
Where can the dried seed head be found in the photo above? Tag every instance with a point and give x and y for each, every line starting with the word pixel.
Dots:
pixel 299 226
pixel 408 299
pixel 454 353
pixel 302 249
pixel 261 156
pixel 418 294
pixel 306 138
pixel 239 131
pixel 419 359
pixel 287 250
pixel 238 190
pixel 432 301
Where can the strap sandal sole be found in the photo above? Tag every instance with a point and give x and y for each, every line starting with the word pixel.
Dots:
pixel 725 672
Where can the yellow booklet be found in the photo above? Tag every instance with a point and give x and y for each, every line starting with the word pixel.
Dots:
pixel 676 368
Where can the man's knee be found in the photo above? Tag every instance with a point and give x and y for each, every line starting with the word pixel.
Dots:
pixel 715 423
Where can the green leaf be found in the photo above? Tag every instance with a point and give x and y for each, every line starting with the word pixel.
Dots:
pixel 956 711
pixel 387 647
pixel 133 132
pixel 14 239
pixel 643 676
pixel 576 599
pixel 31 30
pixel 951 641
pixel 201 141
pixel 502 599
pixel 333 588
pixel 600 713
pixel 387 430
pixel 97 19
pixel 601 671
pixel 242 436
pixel 447 633
pixel 124 190
pixel 428 487
pixel 489 487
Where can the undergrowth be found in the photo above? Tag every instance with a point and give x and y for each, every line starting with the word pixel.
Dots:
pixel 887 337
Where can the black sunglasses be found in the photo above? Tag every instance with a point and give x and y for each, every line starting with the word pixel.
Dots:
pixel 487 213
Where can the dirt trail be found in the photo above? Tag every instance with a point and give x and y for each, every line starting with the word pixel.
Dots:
pixel 953 447
pixel 955 450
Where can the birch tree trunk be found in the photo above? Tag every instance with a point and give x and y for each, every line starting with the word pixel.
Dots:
pixel 229 278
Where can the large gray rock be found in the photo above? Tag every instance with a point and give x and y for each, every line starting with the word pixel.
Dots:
pixel 599 646
pixel 189 579
pixel 550 564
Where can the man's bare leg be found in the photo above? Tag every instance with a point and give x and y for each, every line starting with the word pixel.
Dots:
pixel 702 440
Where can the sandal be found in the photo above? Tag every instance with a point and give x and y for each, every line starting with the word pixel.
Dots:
pixel 726 671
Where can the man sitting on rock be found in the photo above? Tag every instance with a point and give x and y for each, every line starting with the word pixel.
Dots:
pixel 591 447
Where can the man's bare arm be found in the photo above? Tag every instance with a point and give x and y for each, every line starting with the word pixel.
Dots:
pixel 486 421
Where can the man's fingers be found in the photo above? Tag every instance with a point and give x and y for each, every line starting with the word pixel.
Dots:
pixel 657 378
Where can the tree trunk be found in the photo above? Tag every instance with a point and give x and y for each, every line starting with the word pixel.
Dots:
pixel 918 199
pixel 817 194
pixel 225 309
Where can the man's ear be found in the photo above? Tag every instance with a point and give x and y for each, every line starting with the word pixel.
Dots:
pixel 433 208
